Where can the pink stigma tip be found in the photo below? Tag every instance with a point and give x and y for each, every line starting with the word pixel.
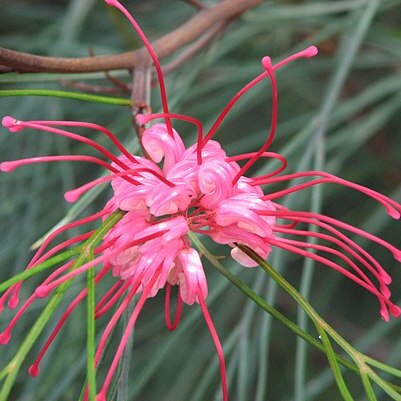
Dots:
pixel 42 291
pixel 6 167
pixel 11 124
pixel 8 121
pixel 266 62
pixel 311 51
pixel 395 214
pixel 101 397
pixel 5 337
pixel 143 118
pixel 397 255
pixel 13 302
pixel 71 196
pixel 386 278
pixel 34 370
pixel 384 314
pixel 395 310
pixel 111 2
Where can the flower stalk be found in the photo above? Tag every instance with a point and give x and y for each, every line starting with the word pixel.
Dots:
pixel 325 331
pixel 11 370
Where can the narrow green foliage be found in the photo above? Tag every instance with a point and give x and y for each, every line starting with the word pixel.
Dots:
pixel 67 95
pixel 51 262
pixel 334 365
pixel 90 350
pixel 265 306
pixel 368 387
pixel 11 370
pixel 325 331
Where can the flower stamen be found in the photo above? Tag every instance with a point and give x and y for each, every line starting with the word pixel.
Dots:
pixel 159 72
pixel 174 325
pixel 127 333
pixel 217 343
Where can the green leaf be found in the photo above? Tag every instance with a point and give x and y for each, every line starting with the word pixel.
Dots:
pixel 67 95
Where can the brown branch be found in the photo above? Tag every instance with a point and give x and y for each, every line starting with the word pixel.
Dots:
pixel 121 87
pixel 140 98
pixel 90 88
pixel 197 4
pixel 186 33
pixel 213 33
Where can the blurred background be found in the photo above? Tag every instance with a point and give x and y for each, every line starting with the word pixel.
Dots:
pixel 338 112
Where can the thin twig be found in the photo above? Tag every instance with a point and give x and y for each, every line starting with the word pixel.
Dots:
pixel 140 98
pixel 118 82
pixel 115 81
pixel 166 45
pixel 196 4
pixel 213 32
pixel 90 88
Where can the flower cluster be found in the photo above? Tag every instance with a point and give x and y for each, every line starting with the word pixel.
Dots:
pixel 177 190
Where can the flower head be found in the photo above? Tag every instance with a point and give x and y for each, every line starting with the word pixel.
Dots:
pixel 199 189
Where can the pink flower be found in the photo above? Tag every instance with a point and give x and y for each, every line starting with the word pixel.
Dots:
pixel 197 189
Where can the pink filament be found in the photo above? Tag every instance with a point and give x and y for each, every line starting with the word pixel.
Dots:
pixel 45 289
pixel 309 52
pixel 63 245
pixel 273 127
pixel 306 53
pixel 93 126
pixel 159 72
pixel 76 137
pixel 75 194
pixel 13 291
pixel 366 282
pixel 174 325
pixel 216 341
pixel 108 301
pixel 34 368
pixel 388 203
pixel 66 227
pixel 6 334
pixel 4 297
pixel 112 322
pixel 8 166
pixel 294 215
pixel 344 246
pixel 114 319
pixel 284 244
pixel 127 333
pixel 145 118
pixel 272 155
pixel 230 104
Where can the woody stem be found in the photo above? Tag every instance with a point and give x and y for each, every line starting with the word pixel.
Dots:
pixel 11 60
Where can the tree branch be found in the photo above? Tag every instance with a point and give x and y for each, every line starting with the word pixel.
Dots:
pixel 11 60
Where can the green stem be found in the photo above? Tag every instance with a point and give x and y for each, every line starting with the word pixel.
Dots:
pixel 368 387
pixel 380 365
pixel 334 365
pixel 359 359
pixel 41 267
pixel 117 101
pixel 90 352
pixel 13 367
pixel 392 391
pixel 266 307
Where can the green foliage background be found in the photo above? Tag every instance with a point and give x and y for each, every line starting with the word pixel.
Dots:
pixel 345 124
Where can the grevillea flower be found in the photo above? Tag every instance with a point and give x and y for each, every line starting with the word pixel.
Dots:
pixel 199 189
